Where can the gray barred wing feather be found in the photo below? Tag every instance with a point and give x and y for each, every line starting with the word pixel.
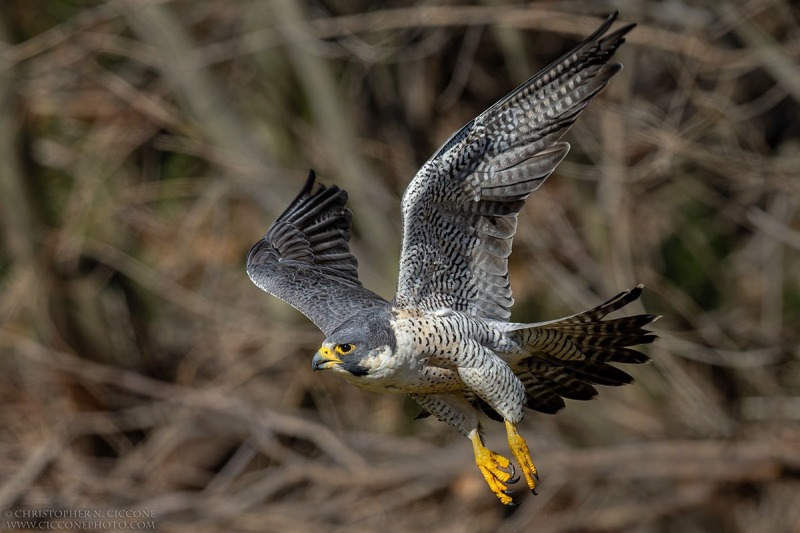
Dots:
pixel 460 211
pixel 304 258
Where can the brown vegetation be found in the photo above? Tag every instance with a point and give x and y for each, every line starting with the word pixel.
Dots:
pixel 145 145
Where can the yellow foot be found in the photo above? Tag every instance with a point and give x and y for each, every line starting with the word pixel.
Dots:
pixel 492 465
pixel 520 450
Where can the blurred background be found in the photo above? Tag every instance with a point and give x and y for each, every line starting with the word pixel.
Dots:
pixel 146 145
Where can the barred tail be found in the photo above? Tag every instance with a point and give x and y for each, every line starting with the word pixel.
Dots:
pixel 565 358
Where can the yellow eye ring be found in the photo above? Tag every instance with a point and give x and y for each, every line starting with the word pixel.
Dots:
pixel 344 349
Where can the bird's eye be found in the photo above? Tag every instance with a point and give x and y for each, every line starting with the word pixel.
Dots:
pixel 344 349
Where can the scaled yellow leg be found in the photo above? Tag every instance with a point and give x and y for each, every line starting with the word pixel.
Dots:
pixel 520 450
pixel 491 465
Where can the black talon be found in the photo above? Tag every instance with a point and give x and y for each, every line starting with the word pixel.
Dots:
pixel 536 475
pixel 512 478
pixel 512 503
pixel 534 492
pixel 509 492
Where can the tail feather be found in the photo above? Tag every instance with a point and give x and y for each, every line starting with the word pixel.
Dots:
pixel 566 357
pixel 607 328
pixel 596 314
pixel 540 394
pixel 567 385
pixel 616 355
pixel 599 374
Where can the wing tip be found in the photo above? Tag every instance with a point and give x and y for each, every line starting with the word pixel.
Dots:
pixel 313 197
pixel 608 43
pixel 308 186
pixel 606 24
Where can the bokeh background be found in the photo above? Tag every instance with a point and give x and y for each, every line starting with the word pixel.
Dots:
pixel 145 145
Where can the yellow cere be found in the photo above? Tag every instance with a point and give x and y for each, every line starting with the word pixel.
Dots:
pixel 328 354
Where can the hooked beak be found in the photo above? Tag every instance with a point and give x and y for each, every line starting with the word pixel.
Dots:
pixel 324 358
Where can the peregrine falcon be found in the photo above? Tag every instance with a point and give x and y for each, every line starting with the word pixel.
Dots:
pixel 445 338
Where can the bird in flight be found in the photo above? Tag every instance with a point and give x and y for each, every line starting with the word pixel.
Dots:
pixel 445 338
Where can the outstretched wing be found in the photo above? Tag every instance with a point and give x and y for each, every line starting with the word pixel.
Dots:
pixel 305 261
pixel 460 211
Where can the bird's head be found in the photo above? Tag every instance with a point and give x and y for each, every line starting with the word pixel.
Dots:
pixel 358 346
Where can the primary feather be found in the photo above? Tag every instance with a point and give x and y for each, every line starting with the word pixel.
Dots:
pixel 460 211
pixel 304 259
